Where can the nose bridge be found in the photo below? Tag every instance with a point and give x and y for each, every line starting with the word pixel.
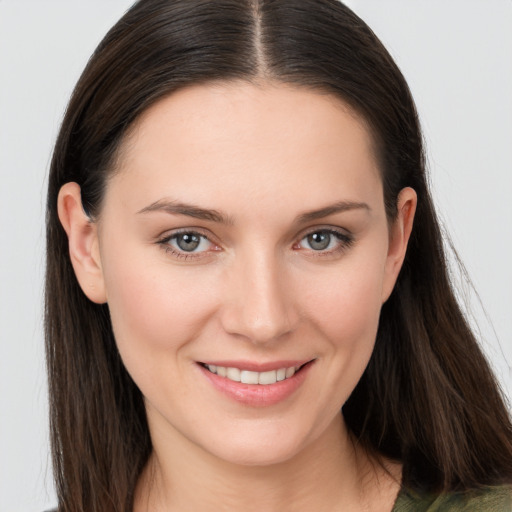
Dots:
pixel 258 306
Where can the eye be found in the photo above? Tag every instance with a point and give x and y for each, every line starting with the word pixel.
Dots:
pixel 187 243
pixel 325 240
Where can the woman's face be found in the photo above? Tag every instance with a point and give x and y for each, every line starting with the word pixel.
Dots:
pixel 244 237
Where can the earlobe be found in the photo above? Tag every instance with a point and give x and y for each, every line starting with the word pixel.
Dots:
pixel 400 232
pixel 83 242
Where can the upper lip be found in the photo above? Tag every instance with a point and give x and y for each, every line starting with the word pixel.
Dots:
pixel 255 366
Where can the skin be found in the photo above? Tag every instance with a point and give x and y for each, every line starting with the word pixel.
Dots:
pixel 261 156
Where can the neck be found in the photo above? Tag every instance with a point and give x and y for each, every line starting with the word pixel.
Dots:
pixel 330 474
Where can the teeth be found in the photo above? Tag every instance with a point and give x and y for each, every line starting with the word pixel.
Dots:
pixel 233 374
pixel 267 377
pixel 248 377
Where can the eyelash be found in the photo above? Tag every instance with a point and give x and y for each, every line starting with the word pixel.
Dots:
pixel 345 242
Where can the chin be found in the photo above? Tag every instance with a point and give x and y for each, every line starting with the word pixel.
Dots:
pixel 256 456
pixel 259 449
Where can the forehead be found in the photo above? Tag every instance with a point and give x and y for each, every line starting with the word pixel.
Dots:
pixel 267 138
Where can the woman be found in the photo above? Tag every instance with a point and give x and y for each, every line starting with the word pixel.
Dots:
pixel 241 242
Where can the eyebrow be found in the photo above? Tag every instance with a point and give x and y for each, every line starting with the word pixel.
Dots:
pixel 179 208
pixel 340 207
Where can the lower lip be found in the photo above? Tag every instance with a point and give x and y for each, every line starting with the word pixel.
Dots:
pixel 257 395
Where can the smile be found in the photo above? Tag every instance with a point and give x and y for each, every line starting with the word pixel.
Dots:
pixel 250 377
pixel 255 384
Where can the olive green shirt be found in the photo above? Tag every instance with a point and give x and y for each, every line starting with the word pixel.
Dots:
pixel 492 499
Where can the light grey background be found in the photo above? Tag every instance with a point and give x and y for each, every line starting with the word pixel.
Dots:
pixel 457 57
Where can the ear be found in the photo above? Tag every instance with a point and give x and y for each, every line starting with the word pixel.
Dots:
pixel 400 232
pixel 83 242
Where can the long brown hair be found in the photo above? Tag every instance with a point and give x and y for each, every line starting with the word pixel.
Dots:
pixel 427 397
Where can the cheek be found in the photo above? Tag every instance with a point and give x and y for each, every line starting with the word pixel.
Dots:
pixel 344 308
pixel 351 328
pixel 346 304
pixel 155 310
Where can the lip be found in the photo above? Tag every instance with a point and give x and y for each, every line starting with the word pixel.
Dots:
pixel 257 395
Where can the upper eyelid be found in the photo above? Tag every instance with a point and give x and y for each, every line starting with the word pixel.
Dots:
pixel 168 234
pixel 329 229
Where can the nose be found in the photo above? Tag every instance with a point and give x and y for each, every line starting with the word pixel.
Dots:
pixel 258 302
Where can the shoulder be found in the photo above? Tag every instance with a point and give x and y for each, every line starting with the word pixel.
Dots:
pixel 489 499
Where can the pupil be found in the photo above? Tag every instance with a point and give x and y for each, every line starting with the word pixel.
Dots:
pixel 188 242
pixel 319 241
